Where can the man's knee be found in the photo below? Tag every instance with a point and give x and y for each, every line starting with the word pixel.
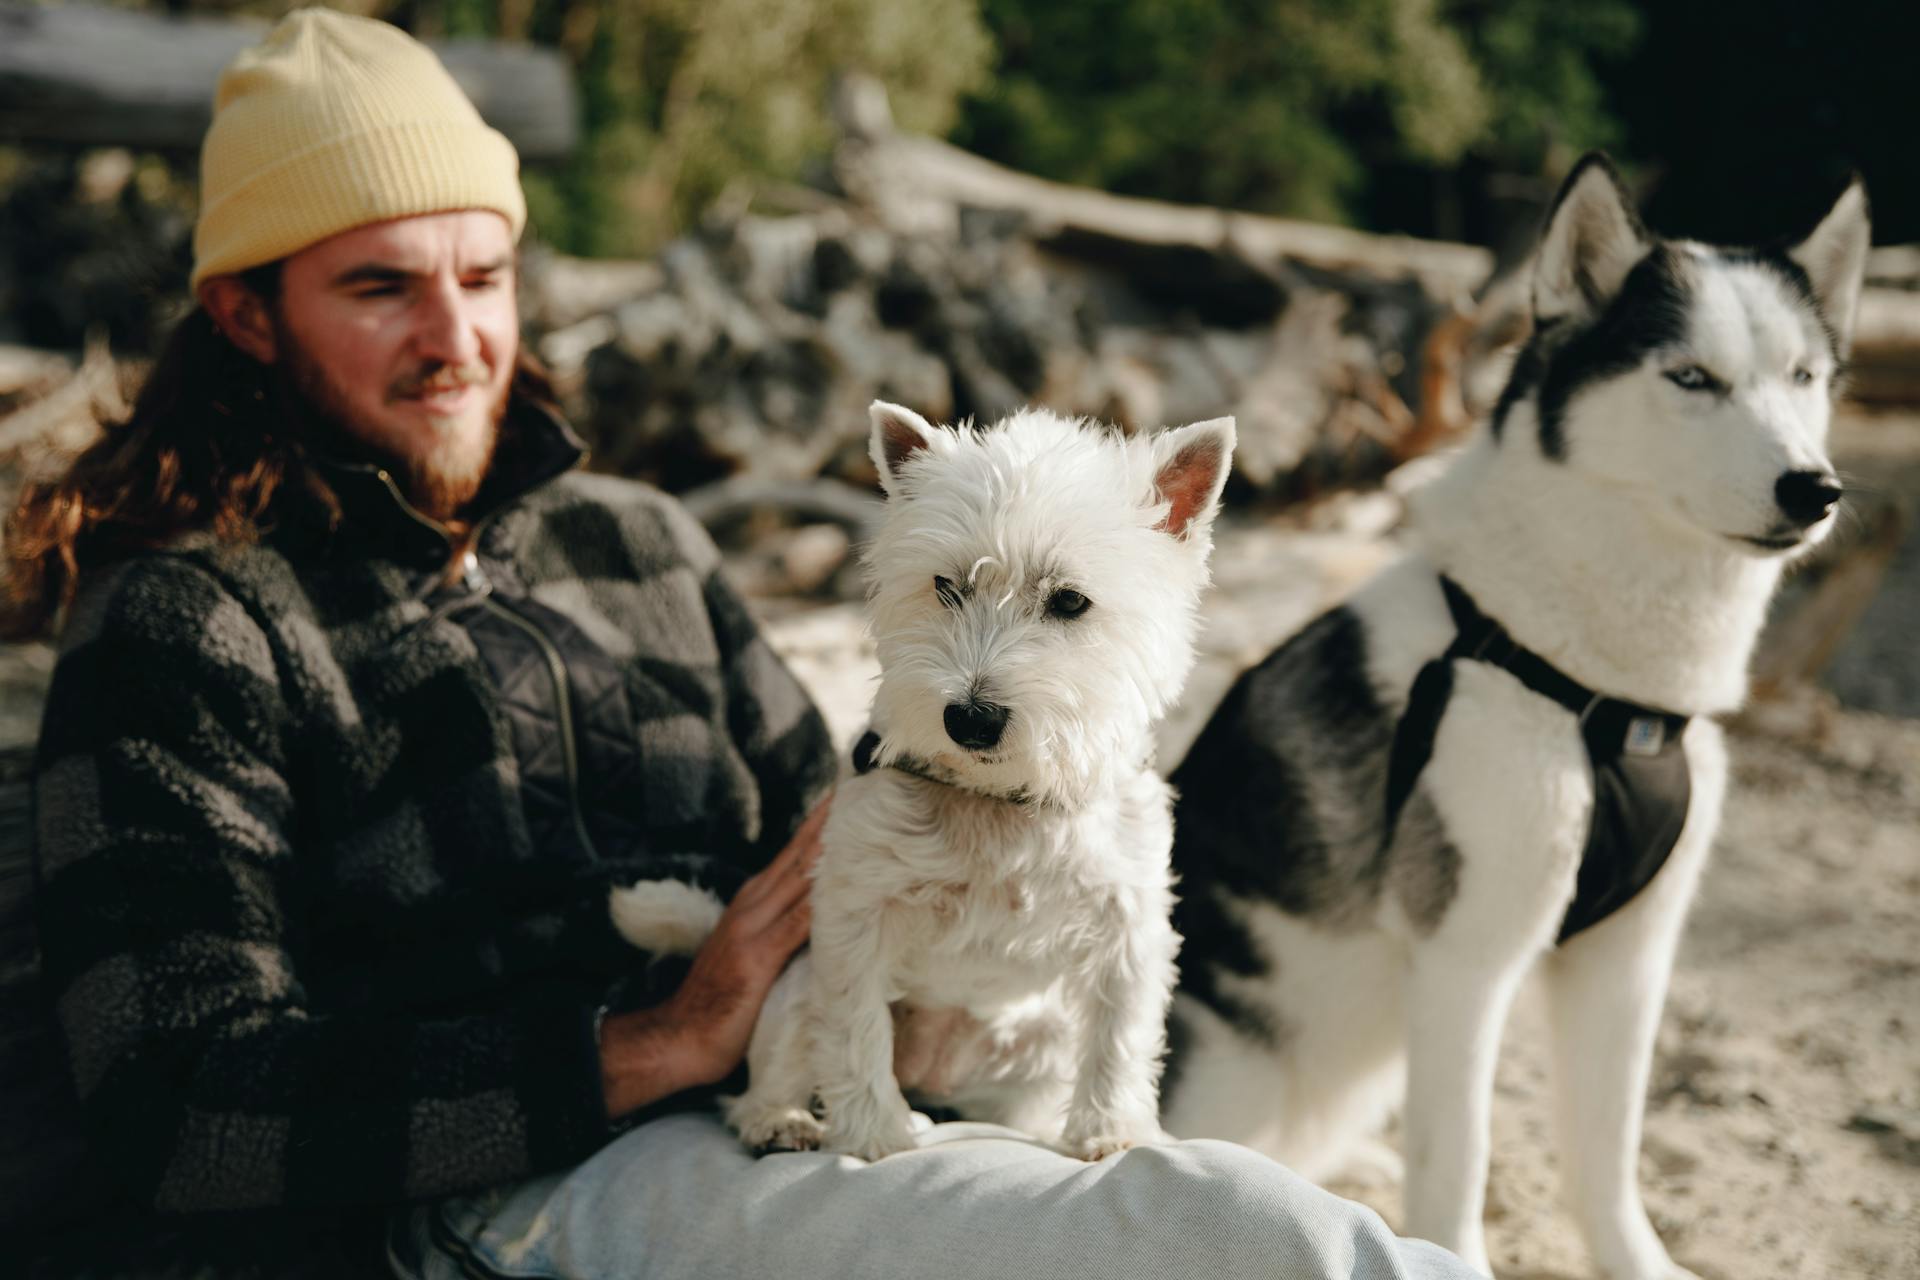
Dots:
pixel 1218 1208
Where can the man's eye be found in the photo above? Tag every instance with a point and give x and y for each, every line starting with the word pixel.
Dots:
pixel 482 285
pixel 949 593
pixel 1067 603
pixel 1691 377
pixel 380 291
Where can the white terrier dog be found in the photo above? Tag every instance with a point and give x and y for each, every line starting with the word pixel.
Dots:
pixel 1001 863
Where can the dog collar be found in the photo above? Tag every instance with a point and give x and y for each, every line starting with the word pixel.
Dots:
pixel 864 762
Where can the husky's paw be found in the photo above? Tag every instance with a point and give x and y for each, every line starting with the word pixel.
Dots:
pixel 772 1129
pixel 1665 1269
pixel 1110 1141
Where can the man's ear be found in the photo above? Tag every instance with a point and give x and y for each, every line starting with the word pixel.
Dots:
pixel 241 314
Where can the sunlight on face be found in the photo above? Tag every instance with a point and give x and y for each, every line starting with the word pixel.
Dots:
pixel 405 334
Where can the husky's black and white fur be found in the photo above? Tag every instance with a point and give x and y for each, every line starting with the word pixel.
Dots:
pixel 1656 459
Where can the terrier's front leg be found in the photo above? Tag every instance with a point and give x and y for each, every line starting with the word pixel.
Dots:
pixel 867 1115
pixel 1123 991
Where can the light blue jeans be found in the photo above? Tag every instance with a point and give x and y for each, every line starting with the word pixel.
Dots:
pixel 680 1199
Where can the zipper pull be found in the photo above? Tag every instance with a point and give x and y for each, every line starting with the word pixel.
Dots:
pixel 472 576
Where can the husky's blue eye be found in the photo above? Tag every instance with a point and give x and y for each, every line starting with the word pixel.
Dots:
pixel 949 593
pixel 1067 603
pixel 1802 376
pixel 1691 377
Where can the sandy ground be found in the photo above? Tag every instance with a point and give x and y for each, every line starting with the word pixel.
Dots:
pixel 1783 1126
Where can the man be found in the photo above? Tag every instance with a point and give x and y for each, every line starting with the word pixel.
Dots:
pixel 365 701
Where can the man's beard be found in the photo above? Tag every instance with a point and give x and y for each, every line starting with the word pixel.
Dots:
pixel 438 483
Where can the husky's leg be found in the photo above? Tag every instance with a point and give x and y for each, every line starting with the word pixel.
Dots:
pixel 775 1113
pixel 1456 1011
pixel 1122 992
pixel 1606 988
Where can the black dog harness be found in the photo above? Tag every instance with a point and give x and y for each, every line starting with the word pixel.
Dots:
pixel 1640 782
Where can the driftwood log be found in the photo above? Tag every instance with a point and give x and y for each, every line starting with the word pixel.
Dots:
pixel 84 76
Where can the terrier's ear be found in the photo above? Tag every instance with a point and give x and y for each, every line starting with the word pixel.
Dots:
pixel 1834 257
pixel 1593 239
pixel 898 434
pixel 1190 469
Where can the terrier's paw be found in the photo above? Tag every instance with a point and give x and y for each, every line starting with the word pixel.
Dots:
pixel 1098 1146
pixel 875 1140
pixel 779 1129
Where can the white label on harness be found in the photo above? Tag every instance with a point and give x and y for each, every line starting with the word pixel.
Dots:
pixel 1645 736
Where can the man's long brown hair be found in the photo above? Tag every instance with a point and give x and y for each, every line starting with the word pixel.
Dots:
pixel 210 445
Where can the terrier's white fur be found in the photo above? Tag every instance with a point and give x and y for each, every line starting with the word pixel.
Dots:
pixel 1021 888
pixel 1634 562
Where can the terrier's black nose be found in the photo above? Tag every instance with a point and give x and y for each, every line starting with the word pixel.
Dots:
pixel 976 725
pixel 1807 496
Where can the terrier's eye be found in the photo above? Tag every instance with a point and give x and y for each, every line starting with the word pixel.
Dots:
pixel 1802 376
pixel 949 593
pixel 1067 603
pixel 1691 377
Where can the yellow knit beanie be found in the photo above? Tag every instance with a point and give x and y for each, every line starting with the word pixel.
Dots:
pixel 333 122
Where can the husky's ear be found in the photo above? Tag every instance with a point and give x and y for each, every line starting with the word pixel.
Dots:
pixel 1834 257
pixel 1593 238
pixel 898 434
pixel 1190 466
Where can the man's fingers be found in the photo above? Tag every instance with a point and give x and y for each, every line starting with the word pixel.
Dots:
pixel 792 927
pixel 775 899
pixel 805 845
pixel 774 879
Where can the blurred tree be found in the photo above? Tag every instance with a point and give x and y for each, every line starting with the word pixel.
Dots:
pixel 1291 106
pixel 683 97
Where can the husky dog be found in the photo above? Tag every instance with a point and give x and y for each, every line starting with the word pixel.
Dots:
pixel 1001 862
pixel 1499 752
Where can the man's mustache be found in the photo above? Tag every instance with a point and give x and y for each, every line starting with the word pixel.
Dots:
pixel 439 378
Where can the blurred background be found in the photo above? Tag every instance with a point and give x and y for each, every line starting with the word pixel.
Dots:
pixel 749 218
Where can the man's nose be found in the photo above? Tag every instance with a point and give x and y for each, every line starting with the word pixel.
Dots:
pixel 445 330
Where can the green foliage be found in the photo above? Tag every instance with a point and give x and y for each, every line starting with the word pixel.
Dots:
pixel 681 98
pixel 1286 106
pixel 1540 55
pixel 1283 105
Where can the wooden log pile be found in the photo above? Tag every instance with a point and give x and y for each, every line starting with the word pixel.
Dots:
pixel 965 290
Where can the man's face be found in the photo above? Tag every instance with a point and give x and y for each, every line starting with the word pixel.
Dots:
pixel 404 335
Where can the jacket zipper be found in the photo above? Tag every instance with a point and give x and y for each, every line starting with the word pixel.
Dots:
pixel 482 594
pixel 563 701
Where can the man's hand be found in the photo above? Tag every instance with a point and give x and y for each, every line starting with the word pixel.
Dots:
pixel 700 1034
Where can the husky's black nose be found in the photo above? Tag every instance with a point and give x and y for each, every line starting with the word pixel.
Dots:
pixel 975 725
pixel 1807 496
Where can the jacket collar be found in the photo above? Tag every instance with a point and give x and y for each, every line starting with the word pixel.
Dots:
pixel 375 518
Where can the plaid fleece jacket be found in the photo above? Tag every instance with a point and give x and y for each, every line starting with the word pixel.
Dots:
pixel 325 839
